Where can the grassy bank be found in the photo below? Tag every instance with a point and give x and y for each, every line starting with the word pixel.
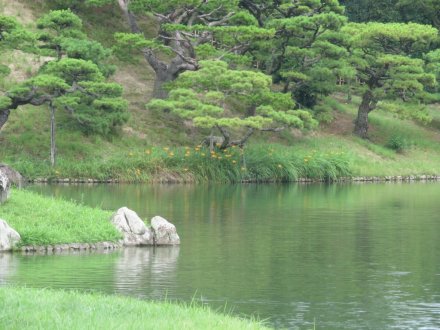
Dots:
pixel 260 163
pixel 45 221
pixel 395 147
pixel 24 308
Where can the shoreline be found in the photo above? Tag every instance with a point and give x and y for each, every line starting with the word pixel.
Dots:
pixel 396 178
pixel 68 247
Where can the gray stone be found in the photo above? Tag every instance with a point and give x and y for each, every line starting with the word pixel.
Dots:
pixel 133 229
pixel 8 236
pixel 164 232
pixel 75 246
pixel 4 187
pixel 14 177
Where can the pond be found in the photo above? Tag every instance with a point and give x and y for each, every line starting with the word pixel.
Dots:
pixel 341 256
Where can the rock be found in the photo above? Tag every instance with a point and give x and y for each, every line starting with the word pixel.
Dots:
pixel 14 177
pixel 4 187
pixel 164 232
pixel 75 246
pixel 8 236
pixel 133 229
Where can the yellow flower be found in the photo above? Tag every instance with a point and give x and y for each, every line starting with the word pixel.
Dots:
pixel 234 161
pixel 243 169
pixel 148 151
pixel 166 148
pixel 185 169
pixel 219 157
pixel 130 154
pixel 171 154
pixel 280 166
pixel 306 160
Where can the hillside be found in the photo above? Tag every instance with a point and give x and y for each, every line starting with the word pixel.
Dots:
pixel 151 146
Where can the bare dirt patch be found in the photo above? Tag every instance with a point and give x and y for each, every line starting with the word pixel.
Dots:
pixel 342 124
pixel 19 10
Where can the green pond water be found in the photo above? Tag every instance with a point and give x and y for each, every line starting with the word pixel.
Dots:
pixel 336 256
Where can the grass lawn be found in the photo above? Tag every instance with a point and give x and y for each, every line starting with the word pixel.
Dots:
pixel 24 308
pixel 44 221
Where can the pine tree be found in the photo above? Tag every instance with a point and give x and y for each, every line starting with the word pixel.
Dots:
pixel 74 80
pixel 388 59
pixel 239 101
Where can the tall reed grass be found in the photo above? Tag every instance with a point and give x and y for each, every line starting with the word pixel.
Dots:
pixel 257 163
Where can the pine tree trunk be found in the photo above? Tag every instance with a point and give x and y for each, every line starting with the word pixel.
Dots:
pixel 4 115
pixel 361 123
pixel 166 73
pixel 161 78
pixel 349 95
pixel 52 135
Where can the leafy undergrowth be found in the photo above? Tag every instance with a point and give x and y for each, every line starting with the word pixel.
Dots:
pixel 44 221
pixel 25 308
pixel 257 163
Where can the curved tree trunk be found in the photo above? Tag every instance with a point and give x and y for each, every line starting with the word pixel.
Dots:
pixel 131 19
pixel 165 72
pixel 367 105
pixel 4 115
pixel 161 78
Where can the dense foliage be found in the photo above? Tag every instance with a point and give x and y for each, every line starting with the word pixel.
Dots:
pixel 389 66
pixel 73 79
pixel 219 98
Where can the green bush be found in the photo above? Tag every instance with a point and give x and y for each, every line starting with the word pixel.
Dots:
pixel 398 143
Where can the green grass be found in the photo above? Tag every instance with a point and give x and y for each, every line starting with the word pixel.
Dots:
pixel 45 221
pixel 258 163
pixel 128 157
pixel 24 308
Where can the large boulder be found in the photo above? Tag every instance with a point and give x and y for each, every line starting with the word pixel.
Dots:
pixel 164 232
pixel 133 229
pixel 14 177
pixel 4 187
pixel 8 236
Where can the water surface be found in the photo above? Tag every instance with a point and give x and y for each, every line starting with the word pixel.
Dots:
pixel 351 256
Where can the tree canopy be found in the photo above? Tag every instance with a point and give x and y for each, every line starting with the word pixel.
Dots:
pixel 217 97
pixel 74 80
pixel 388 59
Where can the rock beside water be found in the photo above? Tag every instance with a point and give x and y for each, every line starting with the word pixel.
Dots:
pixel 136 233
pixel 164 232
pixel 4 187
pixel 8 236
pixel 15 178
pixel 133 229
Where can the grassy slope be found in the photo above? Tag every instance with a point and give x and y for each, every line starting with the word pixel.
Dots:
pixel 43 221
pixel 24 142
pixel 23 308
